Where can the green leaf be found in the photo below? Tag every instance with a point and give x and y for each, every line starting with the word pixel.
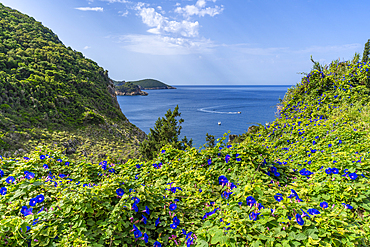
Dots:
pixel 300 237
pixel 201 243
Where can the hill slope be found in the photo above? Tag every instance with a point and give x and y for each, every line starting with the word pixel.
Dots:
pixel 301 181
pixel 49 91
pixel 148 84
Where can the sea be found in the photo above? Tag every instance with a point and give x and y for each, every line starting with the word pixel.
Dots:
pixel 206 109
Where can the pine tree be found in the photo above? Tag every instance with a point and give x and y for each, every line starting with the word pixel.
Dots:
pixel 365 56
pixel 166 131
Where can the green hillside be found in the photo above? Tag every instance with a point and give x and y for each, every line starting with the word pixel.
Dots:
pixel 150 83
pixel 52 94
pixel 301 181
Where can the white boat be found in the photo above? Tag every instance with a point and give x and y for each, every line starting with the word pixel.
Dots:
pixel 219 123
pixel 239 112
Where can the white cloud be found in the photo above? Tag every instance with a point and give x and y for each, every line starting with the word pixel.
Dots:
pixel 159 45
pixel 199 9
pixel 90 9
pixel 161 25
pixel 123 13
pixel 87 47
pixel 116 1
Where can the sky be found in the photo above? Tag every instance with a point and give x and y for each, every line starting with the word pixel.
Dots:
pixel 206 42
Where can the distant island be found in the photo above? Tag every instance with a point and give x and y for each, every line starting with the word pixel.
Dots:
pixel 132 88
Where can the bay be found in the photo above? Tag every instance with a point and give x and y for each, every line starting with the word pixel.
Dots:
pixel 202 107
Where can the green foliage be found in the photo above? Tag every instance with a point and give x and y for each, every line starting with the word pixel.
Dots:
pixel 127 87
pixel 46 85
pixel 150 83
pixel 166 131
pixel 365 56
pixel 210 141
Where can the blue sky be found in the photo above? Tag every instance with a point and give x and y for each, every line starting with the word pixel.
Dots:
pixel 203 42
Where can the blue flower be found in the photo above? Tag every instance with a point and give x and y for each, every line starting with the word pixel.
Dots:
pixel 173 206
pixel 222 180
pixel 209 161
pixel 42 157
pixel 146 238
pixel 238 159
pixel 353 176
pixel 62 175
pixel 29 175
pixel 67 163
pixel 45 166
pixel 299 219
pixel 40 198
pixel 188 235
pixel 253 216
pixel 328 171
pixel 59 160
pixel 189 242
pixel 120 192
pixel 3 191
pixel 173 226
pixel 347 206
pixel 157 244
pixel 137 234
pixel 278 197
pixel 250 201
pixel 10 179
pixel 227 158
pixel 25 211
pixel 176 221
pixel 163 151
pixel 157 222
pixel 226 194
pixel 136 200
pixel 1 173
pixel 144 219
pixel 111 170
pixel 313 211
pixel 335 170
pixel 134 206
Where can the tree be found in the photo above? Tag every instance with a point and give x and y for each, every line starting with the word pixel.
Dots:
pixel 365 55
pixel 210 141
pixel 166 131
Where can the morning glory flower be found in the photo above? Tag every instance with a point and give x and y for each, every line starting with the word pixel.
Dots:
pixel 136 200
pixel 253 216
pixel 29 175
pixel 353 176
pixel 157 222
pixel 45 166
pixel 227 158
pixel 176 221
pixel 33 202
pixel 67 163
pixel 335 170
pixel 134 206
pixel 209 161
pixel 299 219
pixel 10 179
pixel 137 234
pixel 222 180
pixel 278 197
pixel 157 244
pixel 173 206
pixel 238 159
pixel 324 204
pixel 173 226
pixel 42 157
pixel 313 211
pixel 250 200
pixel 146 210
pixel 3 191
pixel 144 219
pixel 146 238
pixel 40 198
pixel 120 192
pixel 328 171
pixel 347 206
pixel 59 160
pixel 1 173
pixel 189 242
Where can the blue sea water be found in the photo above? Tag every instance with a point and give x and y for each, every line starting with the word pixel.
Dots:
pixel 202 107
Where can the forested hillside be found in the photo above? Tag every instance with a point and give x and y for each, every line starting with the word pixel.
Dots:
pixel 47 88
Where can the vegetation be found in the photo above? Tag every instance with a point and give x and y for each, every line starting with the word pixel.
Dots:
pixel 127 87
pixel 166 131
pixel 49 90
pixel 150 83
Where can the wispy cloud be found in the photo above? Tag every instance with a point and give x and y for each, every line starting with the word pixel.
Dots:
pixel 199 9
pixel 90 9
pixel 116 1
pixel 87 47
pixel 159 45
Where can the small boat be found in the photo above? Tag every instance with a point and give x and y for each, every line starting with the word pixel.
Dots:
pixel 219 123
pixel 239 112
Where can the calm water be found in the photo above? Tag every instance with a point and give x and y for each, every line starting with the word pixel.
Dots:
pixel 202 107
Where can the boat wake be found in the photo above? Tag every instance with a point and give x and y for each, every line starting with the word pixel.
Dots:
pixel 207 109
